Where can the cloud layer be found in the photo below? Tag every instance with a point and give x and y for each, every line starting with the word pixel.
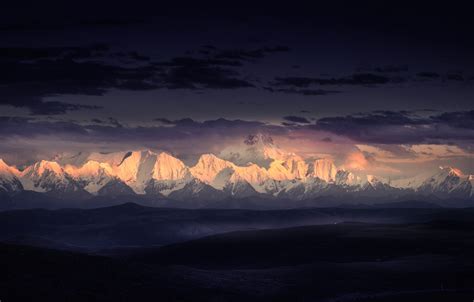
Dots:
pixel 29 75
pixel 402 127
pixel 376 141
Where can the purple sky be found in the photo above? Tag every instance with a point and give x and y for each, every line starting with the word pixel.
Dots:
pixel 395 86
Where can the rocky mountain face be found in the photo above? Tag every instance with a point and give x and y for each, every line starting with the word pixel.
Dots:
pixel 49 177
pixel 256 168
pixel 9 182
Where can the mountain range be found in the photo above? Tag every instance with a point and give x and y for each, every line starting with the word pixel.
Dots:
pixel 255 168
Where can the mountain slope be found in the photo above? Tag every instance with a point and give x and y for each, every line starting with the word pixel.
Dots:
pixel 255 168
pixel 92 176
pixel 50 177
pixel 9 182
pixel 447 182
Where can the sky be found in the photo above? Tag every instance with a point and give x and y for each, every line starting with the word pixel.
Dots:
pixel 386 88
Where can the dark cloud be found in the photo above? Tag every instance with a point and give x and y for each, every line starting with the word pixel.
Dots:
pixel 29 128
pixel 246 55
pixel 217 123
pixel 196 73
pixel 30 54
pixel 327 139
pixel 38 106
pixel 192 61
pixel 115 122
pixel 297 119
pixel 461 119
pixel 136 56
pixel 55 24
pixel 380 127
pixel 30 74
pixel 308 92
pixel 428 74
pixel 111 22
pixel 208 46
pixel 401 127
pixel 215 69
pixel 355 79
pixel 377 127
pixel 385 69
pixel 164 121
pixel 199 75
pixel 455 77
pixel 52 136
pixel 112 129
pixel 184 122
pixel 377 76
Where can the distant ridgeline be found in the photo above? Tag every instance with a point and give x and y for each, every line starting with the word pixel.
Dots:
pixel 258 168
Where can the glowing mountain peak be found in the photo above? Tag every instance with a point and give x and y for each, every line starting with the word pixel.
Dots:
pixel 252 174
pixel 6 170
pixel 324 169
pixel 47 166
pixel 287 175
pixel 90 168
pixel 3 165
pixel 258 149
pixel 451 171
pixel 208 166
pixel 168 167
pixel 45 176
pixel 93 175
pixel 8 178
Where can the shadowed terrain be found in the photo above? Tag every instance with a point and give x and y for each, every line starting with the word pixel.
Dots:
pixel 131 225
pixel 376 255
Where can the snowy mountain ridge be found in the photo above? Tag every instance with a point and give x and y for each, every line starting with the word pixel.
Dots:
pixel 280 174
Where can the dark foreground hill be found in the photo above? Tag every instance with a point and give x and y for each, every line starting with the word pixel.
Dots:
pixel 131 225
pixel 340 243
pixel 35 274
pixel 430 261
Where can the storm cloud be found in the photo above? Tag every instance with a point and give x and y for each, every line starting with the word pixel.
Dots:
pixel 296 119
pixel 51 135
pixel 29 75
pixel 402 127
pixel 363 79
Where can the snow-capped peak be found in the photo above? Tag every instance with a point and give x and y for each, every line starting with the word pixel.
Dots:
pixel 252 174
pixel 92 176
pixel 44 166
pixel 46 176
pixel 443 175
pixel 3 165
pixel 258 166
pixel 168 167
pixel 258 149
pixel 8 178
pixel 346 178
pixel 208 167
pixel 451 171
pixel 324 169
pixel 372 179
pixel 90 168
pixel 448 181
pixel 5 169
